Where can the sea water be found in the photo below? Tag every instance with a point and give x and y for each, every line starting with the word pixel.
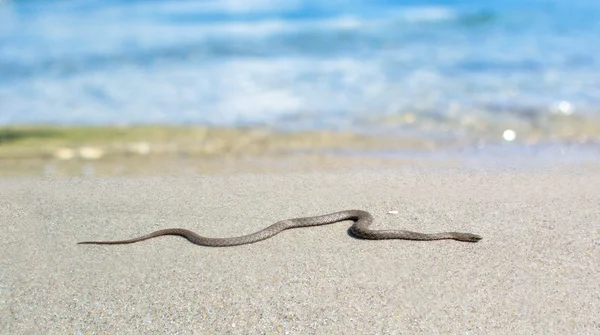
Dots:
pixel 446 66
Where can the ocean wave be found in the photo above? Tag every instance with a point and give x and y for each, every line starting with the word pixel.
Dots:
pixel 226 62
pixel 48 45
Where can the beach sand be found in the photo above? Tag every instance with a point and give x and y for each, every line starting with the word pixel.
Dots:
pixel 536 270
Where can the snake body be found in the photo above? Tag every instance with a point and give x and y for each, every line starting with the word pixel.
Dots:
pixel 360 228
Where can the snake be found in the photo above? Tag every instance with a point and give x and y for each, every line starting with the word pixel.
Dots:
pixel 360 229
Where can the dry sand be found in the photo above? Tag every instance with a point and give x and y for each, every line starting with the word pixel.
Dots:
pixel 537 270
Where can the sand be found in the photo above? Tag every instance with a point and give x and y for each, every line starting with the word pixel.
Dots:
pixel 536 271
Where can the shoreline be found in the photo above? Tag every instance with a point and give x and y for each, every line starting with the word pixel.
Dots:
pixel 29 151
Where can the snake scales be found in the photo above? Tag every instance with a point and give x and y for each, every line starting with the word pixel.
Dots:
pixel 360 228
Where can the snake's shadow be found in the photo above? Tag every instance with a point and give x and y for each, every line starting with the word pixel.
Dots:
pixel 351 234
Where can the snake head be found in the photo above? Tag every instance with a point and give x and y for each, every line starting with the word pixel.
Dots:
pixel 466 237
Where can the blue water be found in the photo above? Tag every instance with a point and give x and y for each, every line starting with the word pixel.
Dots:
pixel 310 64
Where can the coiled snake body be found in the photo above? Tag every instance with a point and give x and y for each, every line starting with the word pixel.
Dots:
pixel 360 228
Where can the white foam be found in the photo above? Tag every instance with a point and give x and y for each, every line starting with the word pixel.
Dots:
pixel 426 13
pixel 244 90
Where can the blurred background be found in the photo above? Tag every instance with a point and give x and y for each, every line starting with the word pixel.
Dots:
pixel 391 76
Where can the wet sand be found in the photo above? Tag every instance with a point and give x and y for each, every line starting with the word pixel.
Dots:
pixel 133 151
pixel 535 271
pixel 112 151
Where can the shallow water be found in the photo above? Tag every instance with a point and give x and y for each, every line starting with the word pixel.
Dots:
pixel 435 68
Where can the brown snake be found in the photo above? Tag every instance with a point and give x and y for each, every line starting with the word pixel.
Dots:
pixel 360 228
